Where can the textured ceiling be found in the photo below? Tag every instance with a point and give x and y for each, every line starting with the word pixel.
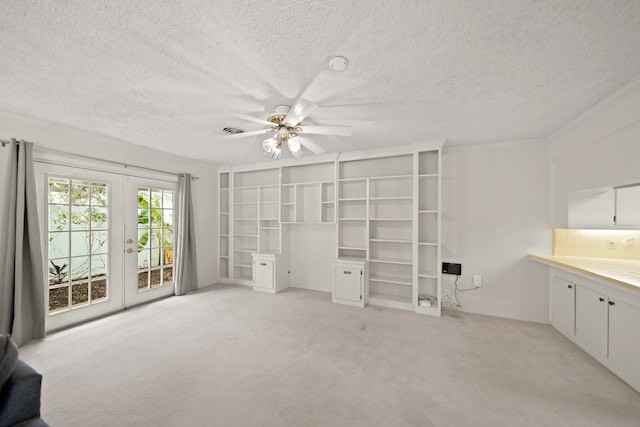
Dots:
pixel 168 74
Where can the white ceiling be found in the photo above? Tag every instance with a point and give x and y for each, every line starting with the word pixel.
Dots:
pixel 168 74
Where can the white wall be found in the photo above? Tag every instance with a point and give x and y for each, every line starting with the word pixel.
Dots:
pixel 495 211
pixel 599 148
pixel 56 137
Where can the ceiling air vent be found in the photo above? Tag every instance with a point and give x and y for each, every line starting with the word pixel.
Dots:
pixel 232 130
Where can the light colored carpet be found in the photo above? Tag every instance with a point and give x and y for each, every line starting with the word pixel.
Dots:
pixel 227 356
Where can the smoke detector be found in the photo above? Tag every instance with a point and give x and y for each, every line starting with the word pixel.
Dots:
pixel 338 63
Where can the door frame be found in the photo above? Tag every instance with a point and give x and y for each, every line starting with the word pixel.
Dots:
pixel 117 184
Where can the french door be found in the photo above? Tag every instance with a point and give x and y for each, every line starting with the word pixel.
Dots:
pixel 108 242
pixel 148 263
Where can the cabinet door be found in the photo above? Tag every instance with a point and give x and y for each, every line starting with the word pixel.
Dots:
pixel 628 206
pixel 624 338
pixel 348 283
pixel 592 321
pixel 263 273
pixel 563 308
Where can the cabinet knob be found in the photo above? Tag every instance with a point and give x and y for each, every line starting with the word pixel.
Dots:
pixel 612 303
pixel 569 286
pixel 601 299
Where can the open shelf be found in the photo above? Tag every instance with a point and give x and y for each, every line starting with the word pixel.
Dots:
pixel 392 301
pixel 223 224
pixel 391 261
pixel 390 177
pixel 390 241
pixel 392 279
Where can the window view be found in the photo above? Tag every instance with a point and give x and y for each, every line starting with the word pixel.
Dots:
pixel 78 243
pixel 155 238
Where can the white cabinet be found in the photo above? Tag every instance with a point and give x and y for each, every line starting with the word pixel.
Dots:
pixel 606 321
pixel 624 339
pixel 605 207
pixel 592 321
pixel 563 306
pixel 269 273
pixel 628 206
pixel 349 282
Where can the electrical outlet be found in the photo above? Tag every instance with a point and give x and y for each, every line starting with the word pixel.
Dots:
pixel 477 281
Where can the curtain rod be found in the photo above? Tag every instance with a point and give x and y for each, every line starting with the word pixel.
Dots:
pixel 113 162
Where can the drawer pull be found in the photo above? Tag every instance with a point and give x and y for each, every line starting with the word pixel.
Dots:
pixel 601 299
pixel 612 303
pixel 346 272
pixel 264 264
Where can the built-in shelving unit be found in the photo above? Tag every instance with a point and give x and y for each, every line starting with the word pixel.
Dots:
pixel 428 223
pixel 353 215
pixel 223 224
pixel 386 211
pixel 388 215
pixel 255 222
pixel 307 194
pixel 375 222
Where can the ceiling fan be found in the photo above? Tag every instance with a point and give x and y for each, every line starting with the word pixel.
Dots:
pixel 285 125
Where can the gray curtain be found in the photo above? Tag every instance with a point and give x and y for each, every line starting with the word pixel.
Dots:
pixel 186 279
pixel 22 311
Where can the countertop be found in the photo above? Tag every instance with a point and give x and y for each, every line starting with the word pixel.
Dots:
pixel 618 271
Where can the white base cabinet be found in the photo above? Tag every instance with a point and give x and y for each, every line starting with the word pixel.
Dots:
pixel 269 273
pixel 563 296
pixel 606 321
pixel 592 321
pixel 349 281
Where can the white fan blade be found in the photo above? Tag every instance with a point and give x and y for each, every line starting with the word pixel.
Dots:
pixel 245 134
pixel 328 130
pixel 314 147
pixel 253 119
pixel 301 109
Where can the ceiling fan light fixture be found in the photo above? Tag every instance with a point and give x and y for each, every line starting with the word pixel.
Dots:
pixel 272 147
pixel 295 147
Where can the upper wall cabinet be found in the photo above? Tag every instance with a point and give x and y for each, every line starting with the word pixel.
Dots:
pixel 628 206
pixel 608 207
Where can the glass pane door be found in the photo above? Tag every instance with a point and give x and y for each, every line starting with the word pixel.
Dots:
pixel 149 230
pixel 78 238
pixel 83 243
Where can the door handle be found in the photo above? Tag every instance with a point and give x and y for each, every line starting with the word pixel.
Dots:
pixel 346 272
pixel 129 241
pixel 129 251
